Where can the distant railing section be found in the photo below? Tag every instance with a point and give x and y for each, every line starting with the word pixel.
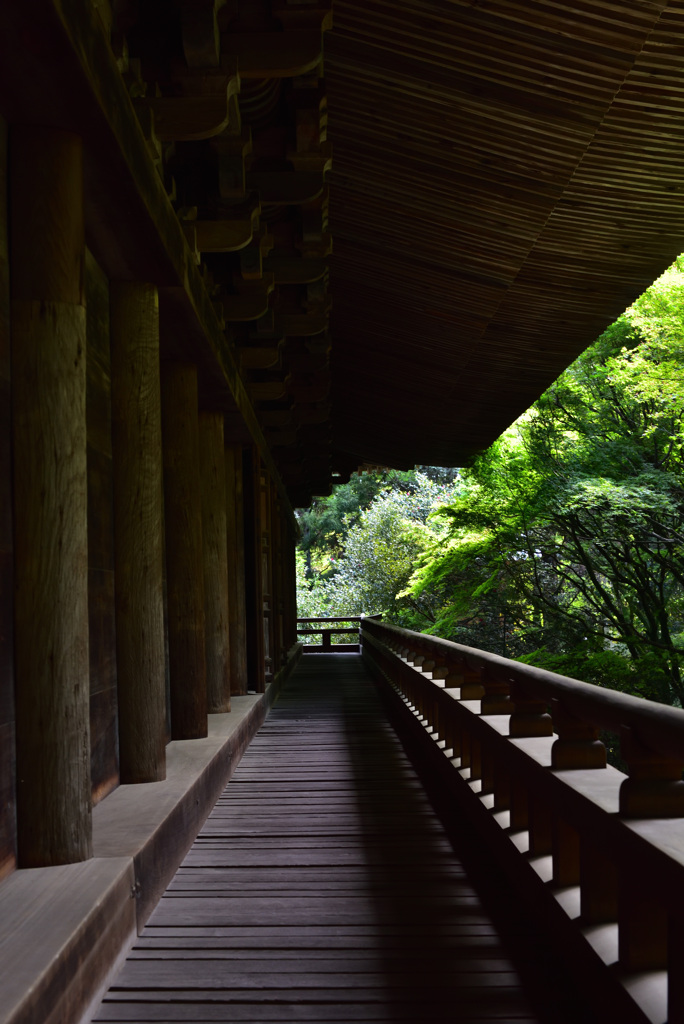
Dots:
pixel 598 854
pixel 307 628
pixel 343 625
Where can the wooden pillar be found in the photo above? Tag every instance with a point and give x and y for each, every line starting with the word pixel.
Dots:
pixel 137 454
pixel 214 547
pixel 184 575
pixel 235 538
pixel 277 576
pixel 8 837
pixel 256 676
pixel 289 559
pixel 50 505
pixel 266 531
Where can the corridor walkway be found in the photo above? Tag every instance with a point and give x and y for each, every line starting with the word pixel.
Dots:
pixel 321 888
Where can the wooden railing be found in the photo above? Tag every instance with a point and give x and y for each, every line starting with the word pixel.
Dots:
pixel 596 855
pixel 308 628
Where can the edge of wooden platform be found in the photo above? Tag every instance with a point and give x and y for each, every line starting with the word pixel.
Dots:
pixel 64 930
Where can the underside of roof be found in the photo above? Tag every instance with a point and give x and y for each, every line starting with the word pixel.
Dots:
pixel 380 229
pixel 507 177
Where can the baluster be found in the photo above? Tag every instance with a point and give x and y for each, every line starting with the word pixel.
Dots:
pixel 578 745
pixel 449 718
pixel 642 925
pixel 519 806
pixel 654 788
pixel 471 685
pixel 529 714
pixel 598 884
pixel 502 787
pixel 496 699
pixel 475 757
pixel 675 958
pixel 428 665
pixel 489 764
pixel 566 853
pixel 540 827
pixel 466 751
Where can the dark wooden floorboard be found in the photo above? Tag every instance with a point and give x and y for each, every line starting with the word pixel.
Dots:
pixel 322 887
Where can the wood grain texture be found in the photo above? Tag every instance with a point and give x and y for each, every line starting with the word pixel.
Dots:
pixel 254 601
pixel 215 560
pixel 312 900
pixel 104 768
pixel 505 182
pixel 137 447
pixel 50 498
pixel 183 522
pixel 267 595
pixel 51 595
pixel 277 540
pixel 47 238
pixel 7 781
pixel 236 569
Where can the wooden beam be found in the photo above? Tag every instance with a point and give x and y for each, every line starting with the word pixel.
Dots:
pixel 273 54
pixel 191 118
pixel 225 235
pixel 201 38
pixel 138 531
pixel 215 560
pixel 286 188
pixel 50 497
pixel 295 269
pixel 184 558
pixel 259 357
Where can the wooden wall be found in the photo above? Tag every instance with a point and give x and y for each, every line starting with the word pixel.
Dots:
pixel 7 798
pixel 102 627
pixel 103 717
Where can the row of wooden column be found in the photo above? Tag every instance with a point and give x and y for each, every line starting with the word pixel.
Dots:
pixel 186 501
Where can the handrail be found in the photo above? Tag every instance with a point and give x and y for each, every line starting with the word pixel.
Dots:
pixel 331 618
pixel 660 727
pixel 326 634
pixel 597 854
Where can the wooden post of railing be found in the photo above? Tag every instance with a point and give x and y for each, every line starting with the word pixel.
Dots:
pixel 627 873
pixel 653 789
pixel 578 744
pixel 215 560
pixel 185 578
pixel 50 497
pixel 529 715
pixel 598 884
pixel 235 546
pixel 675 959
pixel 578 747
pixel 138 552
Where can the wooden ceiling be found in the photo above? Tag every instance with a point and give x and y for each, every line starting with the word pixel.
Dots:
pixel 507 176
pixel 382 230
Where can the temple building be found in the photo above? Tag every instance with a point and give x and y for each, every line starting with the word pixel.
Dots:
pixel 248 248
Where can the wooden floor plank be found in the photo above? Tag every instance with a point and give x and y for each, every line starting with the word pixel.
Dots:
pixel 322 887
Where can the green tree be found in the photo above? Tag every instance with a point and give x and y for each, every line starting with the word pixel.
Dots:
pixel 570 529
pixel 372 565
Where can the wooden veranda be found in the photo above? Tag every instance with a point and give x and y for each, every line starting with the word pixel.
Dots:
pixel 324 887
pixel 247 248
